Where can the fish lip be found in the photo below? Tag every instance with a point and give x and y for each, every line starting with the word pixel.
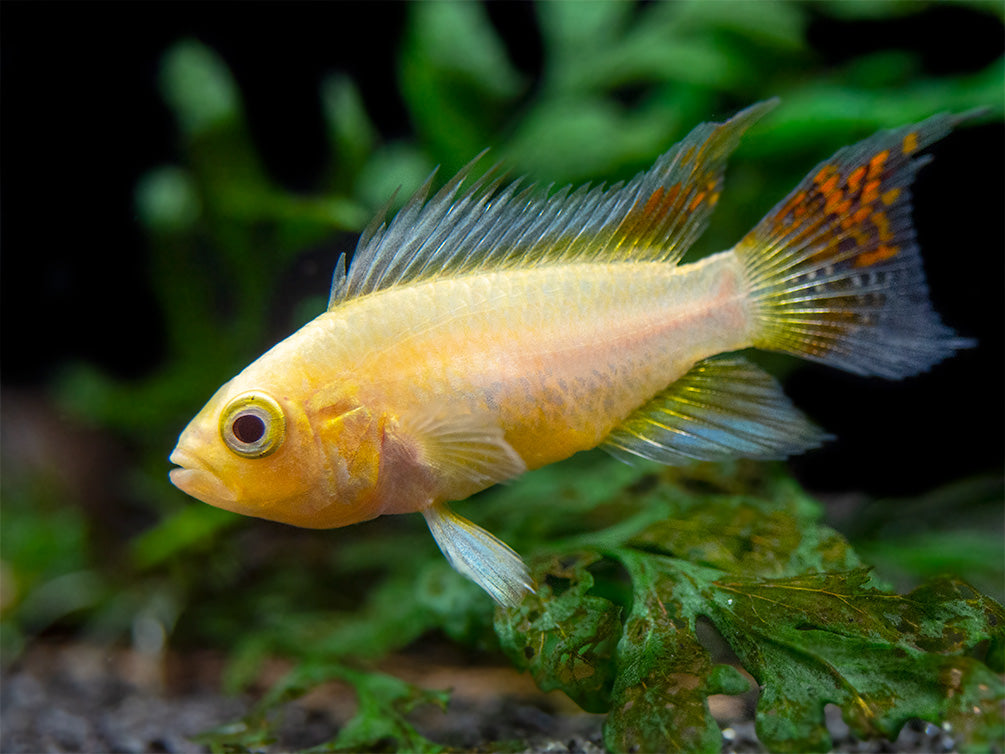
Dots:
pixel 181 457
pixel 196 478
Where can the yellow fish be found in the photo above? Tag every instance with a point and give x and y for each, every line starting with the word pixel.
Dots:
pixel 495 329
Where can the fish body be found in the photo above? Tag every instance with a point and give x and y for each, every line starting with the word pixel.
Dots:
pixel 489 331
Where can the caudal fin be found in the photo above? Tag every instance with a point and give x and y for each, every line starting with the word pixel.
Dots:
pixel 834 269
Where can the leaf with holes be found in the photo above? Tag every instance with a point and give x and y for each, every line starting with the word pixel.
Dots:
pixel 660 696
pixel 789 596
pixel 881 657
pixel 566 638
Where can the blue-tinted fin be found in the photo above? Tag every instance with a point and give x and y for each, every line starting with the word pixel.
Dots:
pixel 481 557
pixel 654 217
pixel 722 408
pixel 834 270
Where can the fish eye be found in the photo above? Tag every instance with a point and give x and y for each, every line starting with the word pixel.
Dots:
pixel 253 425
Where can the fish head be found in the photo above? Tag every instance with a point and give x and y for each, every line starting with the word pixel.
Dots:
pixel 255 449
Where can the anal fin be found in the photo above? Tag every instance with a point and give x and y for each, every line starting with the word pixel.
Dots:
pixel 722 408
pixel 477 554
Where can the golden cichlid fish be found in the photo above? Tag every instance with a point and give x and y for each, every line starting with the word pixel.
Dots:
pixel 494 329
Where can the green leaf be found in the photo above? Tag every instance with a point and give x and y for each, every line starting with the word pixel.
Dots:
pixel 887 9
pixel 395 171
pixel 564 636
pixel 744 535
pixel 179 533
pixel 238 737
pixel 199 88
pixel 352 135
pixel 381 716
pixel 777 25
pixel 579 139
pixel 456 79
pixel 167 200
pixel 384 703
pixel 980 554
pixel 660 697
pixel 882 658
pixel 703 44
pixel 788 595
pixel 568 29
pixel 392 618
pixel 828 113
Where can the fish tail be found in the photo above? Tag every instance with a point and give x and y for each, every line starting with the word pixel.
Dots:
pixel 834 271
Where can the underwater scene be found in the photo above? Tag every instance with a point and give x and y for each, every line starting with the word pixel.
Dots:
pixel 694 373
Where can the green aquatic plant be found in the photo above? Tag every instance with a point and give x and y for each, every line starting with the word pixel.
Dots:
pixel 635 565
pixel 804 618
pixel 615 620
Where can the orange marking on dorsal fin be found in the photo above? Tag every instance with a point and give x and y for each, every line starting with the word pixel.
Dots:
pixel 652 204
pixel 910 143
pixel 660 202
pixel 696 202
pixel 640 222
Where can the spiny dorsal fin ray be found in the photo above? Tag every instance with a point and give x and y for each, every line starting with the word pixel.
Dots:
pixel 722 408
pixel 655 216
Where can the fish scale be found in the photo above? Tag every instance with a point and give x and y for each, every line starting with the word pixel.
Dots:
pixel 567 350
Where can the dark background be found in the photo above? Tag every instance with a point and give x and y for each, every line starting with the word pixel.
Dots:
pixel 82 120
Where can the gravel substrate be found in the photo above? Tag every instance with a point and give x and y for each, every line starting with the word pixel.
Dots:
pixel 82 698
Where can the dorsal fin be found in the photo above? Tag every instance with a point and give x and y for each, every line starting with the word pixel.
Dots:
pixel 653 217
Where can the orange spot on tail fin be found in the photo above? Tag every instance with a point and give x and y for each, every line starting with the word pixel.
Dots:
pixel 877 162
pixel 834 271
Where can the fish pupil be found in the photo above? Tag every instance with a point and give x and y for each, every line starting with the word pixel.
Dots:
pixel 249 428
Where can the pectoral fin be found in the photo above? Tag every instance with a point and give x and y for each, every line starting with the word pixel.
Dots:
pixel 722 408
pixel 481 557
pixel 467 452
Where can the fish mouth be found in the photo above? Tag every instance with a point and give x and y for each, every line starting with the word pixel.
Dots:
pixel 196 479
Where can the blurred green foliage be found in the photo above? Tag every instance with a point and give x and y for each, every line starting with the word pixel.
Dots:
pixel 628 559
